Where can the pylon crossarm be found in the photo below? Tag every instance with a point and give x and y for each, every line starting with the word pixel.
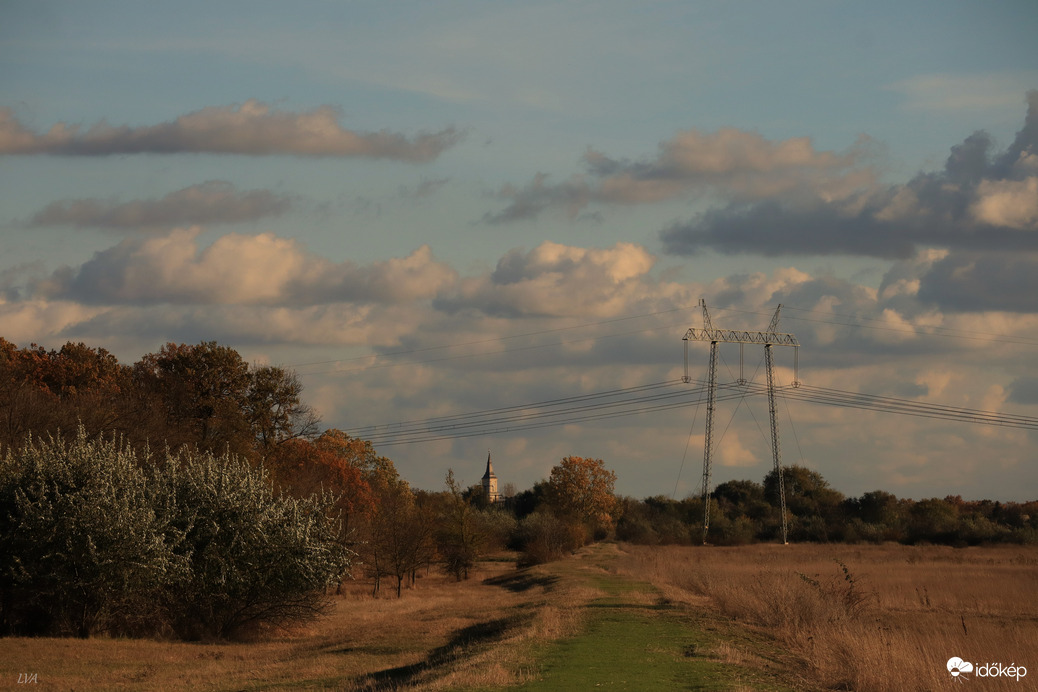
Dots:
pixel 736 336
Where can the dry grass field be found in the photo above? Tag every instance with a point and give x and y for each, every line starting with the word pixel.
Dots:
pixel 441 635
pixel 768 617
pixel 868 617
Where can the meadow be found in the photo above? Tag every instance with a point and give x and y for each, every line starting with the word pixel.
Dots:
pixel 631 617
pixel 868 617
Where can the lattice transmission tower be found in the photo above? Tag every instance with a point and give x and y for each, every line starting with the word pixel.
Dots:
pixel 767 338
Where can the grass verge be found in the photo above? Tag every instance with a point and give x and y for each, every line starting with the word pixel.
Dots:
pixel 632 637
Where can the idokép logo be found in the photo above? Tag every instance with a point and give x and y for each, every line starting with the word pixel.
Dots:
pixel 960 670
pixel 957 667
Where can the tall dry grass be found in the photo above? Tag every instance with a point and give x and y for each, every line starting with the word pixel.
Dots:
pixel 867 617
pixel 444 635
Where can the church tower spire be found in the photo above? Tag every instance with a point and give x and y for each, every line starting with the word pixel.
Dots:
pixel 490 482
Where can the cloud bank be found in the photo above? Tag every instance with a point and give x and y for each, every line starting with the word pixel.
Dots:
pixel 238 269
pixel 981 199
pixel 211 202
pixel 251 129
pixel 732 163
pixel 552 322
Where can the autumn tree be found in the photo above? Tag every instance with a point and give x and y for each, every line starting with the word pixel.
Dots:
pixel 275 410
pixel 213 400
pixel 398 535
pixel 44 391
pixel 358 453
pixel 459 537
pixel 302 468
pixel 204 389
pixel 582 489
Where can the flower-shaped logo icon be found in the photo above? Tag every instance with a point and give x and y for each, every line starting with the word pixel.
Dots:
pixel 956 666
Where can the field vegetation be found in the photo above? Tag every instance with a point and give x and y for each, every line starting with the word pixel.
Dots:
pixel 766 617
pixel 575 623
pixel 866 617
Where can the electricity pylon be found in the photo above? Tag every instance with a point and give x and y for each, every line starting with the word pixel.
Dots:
pixel 767 338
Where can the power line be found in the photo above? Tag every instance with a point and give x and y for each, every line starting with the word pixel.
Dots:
pixel 656 397
pixel 462 417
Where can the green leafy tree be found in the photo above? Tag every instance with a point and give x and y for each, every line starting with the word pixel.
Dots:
pixel 933 520
pixel 815 506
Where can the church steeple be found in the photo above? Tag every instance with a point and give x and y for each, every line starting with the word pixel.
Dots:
pixel 490 482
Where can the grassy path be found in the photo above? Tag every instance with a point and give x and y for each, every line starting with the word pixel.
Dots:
pixel 633 638
pixel 575 624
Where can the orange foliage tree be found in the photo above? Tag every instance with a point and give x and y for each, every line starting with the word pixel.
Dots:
pixel 582 489
pixel 303 468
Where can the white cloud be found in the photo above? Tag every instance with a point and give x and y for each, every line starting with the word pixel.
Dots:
pixel 42 321
pixel 1012 203
pixel 559 280
pixel 238 269
pixel 978 201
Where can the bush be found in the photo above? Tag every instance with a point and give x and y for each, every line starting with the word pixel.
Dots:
pixel 94 540
pixel 544 537
pixel 253 557
pixel 81 548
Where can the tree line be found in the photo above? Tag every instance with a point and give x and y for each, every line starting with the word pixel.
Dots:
pixel 251 515
pixel 202 396
pixel 744 511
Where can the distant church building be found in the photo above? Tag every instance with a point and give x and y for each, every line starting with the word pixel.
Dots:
pixel 490 483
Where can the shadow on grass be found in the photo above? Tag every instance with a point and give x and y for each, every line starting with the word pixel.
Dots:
pixel 522 580
pixel 465 642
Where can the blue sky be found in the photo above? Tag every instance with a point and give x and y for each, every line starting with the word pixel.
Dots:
pixel 333 182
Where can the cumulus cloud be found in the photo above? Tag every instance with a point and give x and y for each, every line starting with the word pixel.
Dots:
pixel 252 128
pixel 557 280
pixel 979 200
pixel 239 269
pixel 734 163
pixel 1011 203
pixel 743 164
pixel 495 341
pixel 211 202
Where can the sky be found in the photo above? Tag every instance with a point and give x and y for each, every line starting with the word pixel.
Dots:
pixel 430 209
